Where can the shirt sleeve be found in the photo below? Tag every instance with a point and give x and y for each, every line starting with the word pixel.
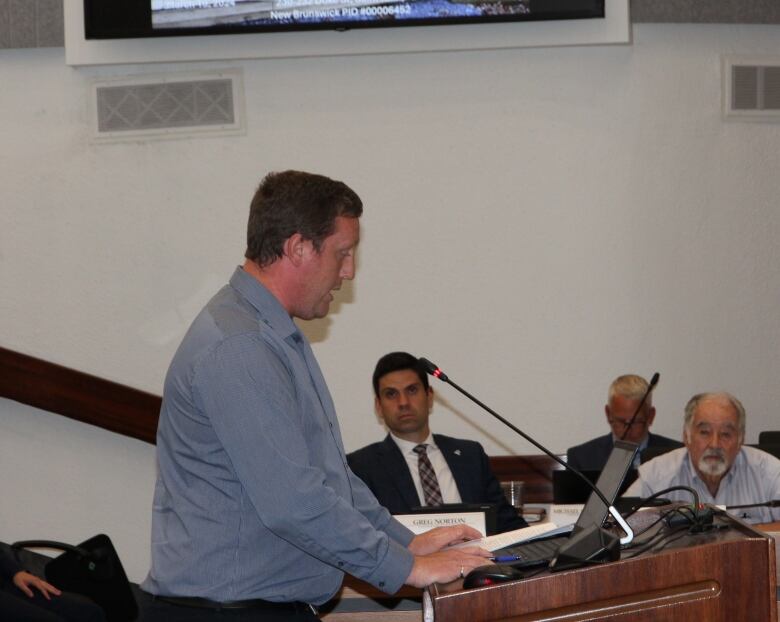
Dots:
pixel 263 423
pixel 8 565
pixel 377 515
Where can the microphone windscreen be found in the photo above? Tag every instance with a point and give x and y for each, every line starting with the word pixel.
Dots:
pixel 433 369
pixel 428 366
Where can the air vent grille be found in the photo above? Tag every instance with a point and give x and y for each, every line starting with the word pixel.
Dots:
pixel 168 106
pixel 745 87
pixel 752 89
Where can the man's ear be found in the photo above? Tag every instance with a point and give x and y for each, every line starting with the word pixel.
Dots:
pixel 650 416
pixel 378 409
pixel 294 248
pixel 430 399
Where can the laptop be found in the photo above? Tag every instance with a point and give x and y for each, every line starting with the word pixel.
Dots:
pixel 569 488
pixel 541 551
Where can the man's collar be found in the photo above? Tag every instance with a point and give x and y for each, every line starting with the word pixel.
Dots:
pixel 408 446
pixel 267 305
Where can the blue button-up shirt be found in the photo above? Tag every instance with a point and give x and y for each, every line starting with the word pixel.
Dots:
pixel 254 498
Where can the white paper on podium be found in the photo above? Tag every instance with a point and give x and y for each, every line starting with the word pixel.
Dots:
pixel 508 538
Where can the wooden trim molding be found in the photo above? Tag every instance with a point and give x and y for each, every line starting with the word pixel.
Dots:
pixel 124 410
pixel 74 394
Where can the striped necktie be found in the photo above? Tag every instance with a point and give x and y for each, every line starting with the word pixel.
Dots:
pixel 430 484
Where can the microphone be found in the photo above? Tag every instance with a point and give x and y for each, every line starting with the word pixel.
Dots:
pixel 765 504
pixel 592 543
pixel 653 381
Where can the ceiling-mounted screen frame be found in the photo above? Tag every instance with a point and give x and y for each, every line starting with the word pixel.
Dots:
pixel 169 18
pixel 614 28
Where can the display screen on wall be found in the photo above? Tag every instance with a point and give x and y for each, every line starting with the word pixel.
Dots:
pixel 166 18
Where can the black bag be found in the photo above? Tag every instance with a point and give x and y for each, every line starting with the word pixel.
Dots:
pixel 92 569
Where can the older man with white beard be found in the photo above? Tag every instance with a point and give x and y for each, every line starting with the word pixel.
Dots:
pixel 714 462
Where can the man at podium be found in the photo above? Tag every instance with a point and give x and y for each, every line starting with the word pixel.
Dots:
pixel 255 515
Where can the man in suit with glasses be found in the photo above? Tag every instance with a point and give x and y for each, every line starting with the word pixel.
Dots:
pixel 625 395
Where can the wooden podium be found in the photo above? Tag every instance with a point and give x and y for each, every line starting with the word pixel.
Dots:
pixel 728 574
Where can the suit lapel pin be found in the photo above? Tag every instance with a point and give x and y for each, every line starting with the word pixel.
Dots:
pixel 457 452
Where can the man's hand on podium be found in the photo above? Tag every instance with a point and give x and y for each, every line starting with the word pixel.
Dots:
pixel 433 565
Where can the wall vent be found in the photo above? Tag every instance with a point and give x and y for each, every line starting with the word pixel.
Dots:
pixel 169 106
pixel 751 88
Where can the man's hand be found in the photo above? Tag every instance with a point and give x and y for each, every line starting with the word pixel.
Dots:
pixel 24 581
pixel 434 565
pixel 446 566
pixel 436 539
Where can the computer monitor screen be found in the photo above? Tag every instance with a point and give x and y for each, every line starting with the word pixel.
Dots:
pixel 609 482
pixel 568 487
pixel 166 18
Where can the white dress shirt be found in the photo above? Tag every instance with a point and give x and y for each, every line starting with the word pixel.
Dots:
pixel 449 490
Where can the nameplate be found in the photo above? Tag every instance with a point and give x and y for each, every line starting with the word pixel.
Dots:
pixel 420 523
pixel 565 514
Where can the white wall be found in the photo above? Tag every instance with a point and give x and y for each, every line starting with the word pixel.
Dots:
pixel 537 221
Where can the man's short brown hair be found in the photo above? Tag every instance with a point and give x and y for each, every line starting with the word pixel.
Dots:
pixel 295 202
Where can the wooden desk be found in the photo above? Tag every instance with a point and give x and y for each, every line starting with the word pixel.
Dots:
pixel 719 576
pixel 773 529
pixel 360 602
pixel 357 601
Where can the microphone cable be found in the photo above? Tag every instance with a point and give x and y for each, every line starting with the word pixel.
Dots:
pixel 645 501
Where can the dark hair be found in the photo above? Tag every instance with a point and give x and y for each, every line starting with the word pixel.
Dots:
pixel 295 202
pixel 398 361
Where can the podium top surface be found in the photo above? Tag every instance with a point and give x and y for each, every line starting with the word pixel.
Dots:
pixel 717 575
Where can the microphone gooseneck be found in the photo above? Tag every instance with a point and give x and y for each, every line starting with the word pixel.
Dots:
pixel 592 542
pixel 653 381
pixel 775 503
pixel 435 371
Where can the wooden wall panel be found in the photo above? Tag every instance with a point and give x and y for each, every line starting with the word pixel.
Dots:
pixel 124 410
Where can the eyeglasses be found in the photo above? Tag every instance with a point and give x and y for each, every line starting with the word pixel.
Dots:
pixel 622 424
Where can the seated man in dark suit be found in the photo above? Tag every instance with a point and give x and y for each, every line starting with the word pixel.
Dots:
pixel 413 467
pixel 625 394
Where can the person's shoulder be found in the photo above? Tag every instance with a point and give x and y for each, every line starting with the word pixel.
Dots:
pixel 245 309
pixel 225 324
pixel 762 459
pixel 665 463
pixel 656 440
pixel 594 443
pixel 369 452
pixel 446 442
